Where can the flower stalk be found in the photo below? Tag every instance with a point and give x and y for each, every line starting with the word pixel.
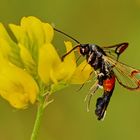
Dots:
pixel 40 111
pixel 42 104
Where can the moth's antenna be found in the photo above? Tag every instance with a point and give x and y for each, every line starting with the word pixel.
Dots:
pixel 67 35
pixel 69 52
pixel 72 39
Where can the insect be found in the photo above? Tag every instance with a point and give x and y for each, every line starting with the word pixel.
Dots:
pixel 108 69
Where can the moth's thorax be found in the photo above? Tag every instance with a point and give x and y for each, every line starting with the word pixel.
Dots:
pixel 93 54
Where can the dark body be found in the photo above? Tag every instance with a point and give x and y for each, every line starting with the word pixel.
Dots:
pixel 105 75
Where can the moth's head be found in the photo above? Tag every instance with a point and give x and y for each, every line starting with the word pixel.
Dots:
pixel 84 49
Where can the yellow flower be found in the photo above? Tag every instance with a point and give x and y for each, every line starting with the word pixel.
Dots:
pixel 30 65
pixel 16 85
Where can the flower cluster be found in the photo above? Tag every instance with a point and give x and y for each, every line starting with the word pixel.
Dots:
pixel 30 65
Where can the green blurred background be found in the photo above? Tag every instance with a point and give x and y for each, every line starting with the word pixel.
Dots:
pixel 104 22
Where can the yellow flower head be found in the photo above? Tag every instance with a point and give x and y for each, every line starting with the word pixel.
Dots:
pixel 31 66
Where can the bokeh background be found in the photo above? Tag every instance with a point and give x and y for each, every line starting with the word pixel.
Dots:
pixel 104 22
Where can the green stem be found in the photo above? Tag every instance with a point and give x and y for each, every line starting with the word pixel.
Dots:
pixel 37 124
pixel 40 111
pixel 42 104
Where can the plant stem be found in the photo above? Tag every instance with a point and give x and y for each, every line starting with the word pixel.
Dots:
pixel 40 111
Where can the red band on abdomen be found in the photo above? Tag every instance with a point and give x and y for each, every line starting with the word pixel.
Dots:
pixel 109 83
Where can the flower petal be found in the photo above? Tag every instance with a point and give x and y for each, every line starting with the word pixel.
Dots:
pixel 5 49
pixel 82 73
pixel 9 47
pixel 27 59
pixel 33 27
pixel 20 34
pixel 16 85
pixel 39 32
pixel 48 58
pixel 49 32
pixel 65 70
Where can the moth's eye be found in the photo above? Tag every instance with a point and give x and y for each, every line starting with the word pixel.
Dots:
pixel 84 50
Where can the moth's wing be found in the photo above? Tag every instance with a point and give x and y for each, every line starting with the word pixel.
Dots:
pixel 114 51
pixel 127 76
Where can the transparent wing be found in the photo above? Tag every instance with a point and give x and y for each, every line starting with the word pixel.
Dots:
pixel 114 51
pixel 127 76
